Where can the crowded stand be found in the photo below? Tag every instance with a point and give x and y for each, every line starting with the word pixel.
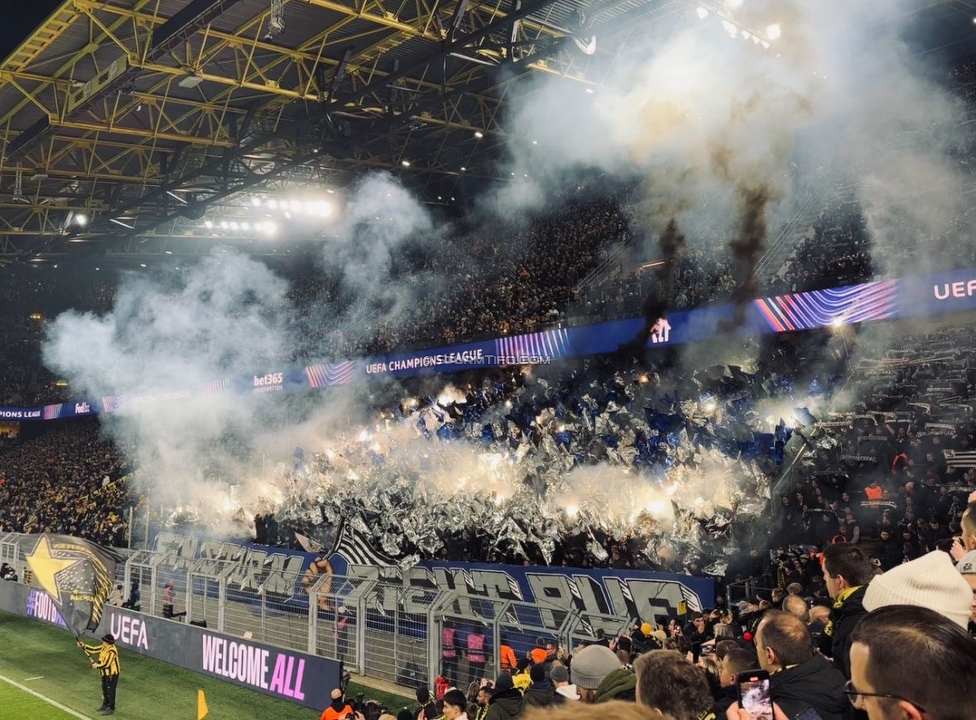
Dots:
pixel 810 459
pixel 69 480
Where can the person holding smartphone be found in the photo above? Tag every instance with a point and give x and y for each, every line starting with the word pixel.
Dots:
pixel 796 678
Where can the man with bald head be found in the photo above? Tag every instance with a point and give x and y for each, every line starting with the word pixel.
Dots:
pixel 800 680
pixel 797 606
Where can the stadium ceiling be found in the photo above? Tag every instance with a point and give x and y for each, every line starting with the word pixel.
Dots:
pixel 130 120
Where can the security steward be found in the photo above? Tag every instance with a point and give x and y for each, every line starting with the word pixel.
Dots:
pixel 107 664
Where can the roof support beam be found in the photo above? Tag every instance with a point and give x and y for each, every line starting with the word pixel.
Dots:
pixel 186 22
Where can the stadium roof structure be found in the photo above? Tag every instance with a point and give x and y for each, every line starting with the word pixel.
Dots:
pixel 128 125
pixel 127 122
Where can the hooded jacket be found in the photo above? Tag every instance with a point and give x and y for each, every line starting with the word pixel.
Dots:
pixel 618 685
pixel 505 704
pixel 836 640
pixel 815 685
pixel 542 694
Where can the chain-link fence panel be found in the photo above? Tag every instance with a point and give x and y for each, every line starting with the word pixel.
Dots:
pixel 138 576
pixel 206 595
pixel 474 628
pixel 592 627
pixel 285 616
pixel 338 605
pixel 10 551
pixel 383 631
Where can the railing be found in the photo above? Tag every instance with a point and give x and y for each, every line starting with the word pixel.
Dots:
pixel 746 590
pixel 382 629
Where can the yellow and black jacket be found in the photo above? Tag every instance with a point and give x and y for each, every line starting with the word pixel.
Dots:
pixel 108 658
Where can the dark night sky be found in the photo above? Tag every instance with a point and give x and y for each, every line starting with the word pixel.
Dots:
pixel 20 19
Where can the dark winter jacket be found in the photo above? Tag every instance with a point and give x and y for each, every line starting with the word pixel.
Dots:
pixel 618 685
pixel 814 685
pixel 836 640
pixel 542 694
pixel 505 705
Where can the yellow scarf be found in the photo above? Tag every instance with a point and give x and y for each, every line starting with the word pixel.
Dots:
pixel 839 603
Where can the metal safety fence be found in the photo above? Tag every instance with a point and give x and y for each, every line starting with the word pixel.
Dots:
pixel 378 625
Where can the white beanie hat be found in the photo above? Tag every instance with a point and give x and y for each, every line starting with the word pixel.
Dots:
pixel 931 581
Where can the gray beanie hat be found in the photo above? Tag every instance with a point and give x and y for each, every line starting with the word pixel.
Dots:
pixel 592 664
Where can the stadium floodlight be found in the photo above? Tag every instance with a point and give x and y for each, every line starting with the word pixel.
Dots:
pixel 774 31
pixel 478 134
pixel 273 204
pixel 322 208
pixel 735 4
pixel 405 163
pixel 245 226
pixel 208 224
pixel 296 205
pixel 463 169
pixel 81 219
pixel 730 28
pixel 224 225
pixel 234 225
pixel 269 228
pixel 702 13
pixel 256 201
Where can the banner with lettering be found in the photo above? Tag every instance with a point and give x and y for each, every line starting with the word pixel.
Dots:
pixel 282 575
pixel 286 674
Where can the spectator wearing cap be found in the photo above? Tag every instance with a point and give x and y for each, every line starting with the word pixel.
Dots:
pixel 590 667
pixel 559 675
pixel 926 582
pixel 542 691
pixel 108 666
pixel 454 705
pixel 967 568
pixel 912 663
pixel 338 709
pixel 507 701
pixel 669 684
pixel 621 684
pixel 847 570
pixel 800 681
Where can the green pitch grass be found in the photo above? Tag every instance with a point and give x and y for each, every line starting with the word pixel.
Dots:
pixel 18 704
pixel 148 689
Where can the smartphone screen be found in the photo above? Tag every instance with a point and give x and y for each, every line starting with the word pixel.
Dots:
pixel 754 694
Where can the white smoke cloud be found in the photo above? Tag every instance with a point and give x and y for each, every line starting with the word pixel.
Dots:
pixel 380 219
pixel 703 117
pixel 225 317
